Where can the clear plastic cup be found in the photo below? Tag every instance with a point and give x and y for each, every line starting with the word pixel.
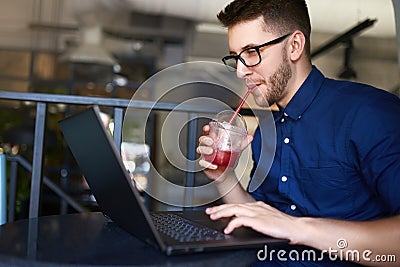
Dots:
pixel 228 139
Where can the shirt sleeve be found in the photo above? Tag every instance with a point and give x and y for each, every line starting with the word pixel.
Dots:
pixel 374 147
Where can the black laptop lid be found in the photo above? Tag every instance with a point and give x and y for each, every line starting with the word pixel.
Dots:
pixel 97 157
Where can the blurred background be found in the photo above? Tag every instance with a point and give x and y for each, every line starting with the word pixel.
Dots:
pixel 108 48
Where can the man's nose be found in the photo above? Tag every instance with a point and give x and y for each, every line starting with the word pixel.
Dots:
pixel 241 70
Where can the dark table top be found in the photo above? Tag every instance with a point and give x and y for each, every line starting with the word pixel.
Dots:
pixel 88 239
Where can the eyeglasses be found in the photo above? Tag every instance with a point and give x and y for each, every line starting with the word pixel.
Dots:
pixel 251 56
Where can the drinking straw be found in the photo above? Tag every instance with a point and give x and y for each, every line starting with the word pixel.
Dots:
pixel 240 106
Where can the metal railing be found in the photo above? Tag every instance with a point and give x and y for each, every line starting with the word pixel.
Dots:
pixel 119 107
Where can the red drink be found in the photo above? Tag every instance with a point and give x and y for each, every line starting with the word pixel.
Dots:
pixel 223 158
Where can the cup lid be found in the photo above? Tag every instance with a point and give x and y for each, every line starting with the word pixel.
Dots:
pixel 238 124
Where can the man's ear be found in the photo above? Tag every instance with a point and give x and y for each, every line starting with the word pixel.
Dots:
pixel 297 43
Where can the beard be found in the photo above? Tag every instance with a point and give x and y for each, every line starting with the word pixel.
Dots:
pixel 277 82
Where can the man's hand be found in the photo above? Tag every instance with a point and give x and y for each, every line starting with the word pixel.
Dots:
pixel 258 216
pixel 225 178
pixel 380 237
pixel 214 172
pixel 205 148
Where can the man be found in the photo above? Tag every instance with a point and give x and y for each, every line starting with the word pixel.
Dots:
pixel 335 174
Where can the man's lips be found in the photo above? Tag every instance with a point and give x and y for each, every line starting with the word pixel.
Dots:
pixel 252 86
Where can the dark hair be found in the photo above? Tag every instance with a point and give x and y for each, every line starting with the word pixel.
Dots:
pixel 280 16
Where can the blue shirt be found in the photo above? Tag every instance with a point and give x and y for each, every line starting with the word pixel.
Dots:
pixel 337 152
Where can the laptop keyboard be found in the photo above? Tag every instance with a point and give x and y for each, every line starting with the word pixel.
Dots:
pixel 183 230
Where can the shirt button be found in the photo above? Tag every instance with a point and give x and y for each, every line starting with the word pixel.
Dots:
pixel 284 179
pixel 285 114
pixel 286 140
pixel 293 207
pixel 282 120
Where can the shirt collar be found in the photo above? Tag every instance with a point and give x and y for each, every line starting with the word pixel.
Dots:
pixel 304 96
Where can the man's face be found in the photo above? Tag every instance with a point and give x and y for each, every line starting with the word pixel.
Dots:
pixel 269 79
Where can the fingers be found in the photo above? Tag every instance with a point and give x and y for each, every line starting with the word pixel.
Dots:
pixel 205 164
pixel 229 210
pixel 214 209
pixel 206 129
pixel 247 215
pixel 205 150
pixel 239 222
pixel 259 216
pixel 241 214
pixel 205 145
pixel 205 140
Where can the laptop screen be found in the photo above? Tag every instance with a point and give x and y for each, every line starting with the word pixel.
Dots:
pixel 96 154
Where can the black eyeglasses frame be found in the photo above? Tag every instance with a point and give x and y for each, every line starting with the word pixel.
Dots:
pixel 257 48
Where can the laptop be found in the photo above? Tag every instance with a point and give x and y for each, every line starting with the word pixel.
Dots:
pixel 119 200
